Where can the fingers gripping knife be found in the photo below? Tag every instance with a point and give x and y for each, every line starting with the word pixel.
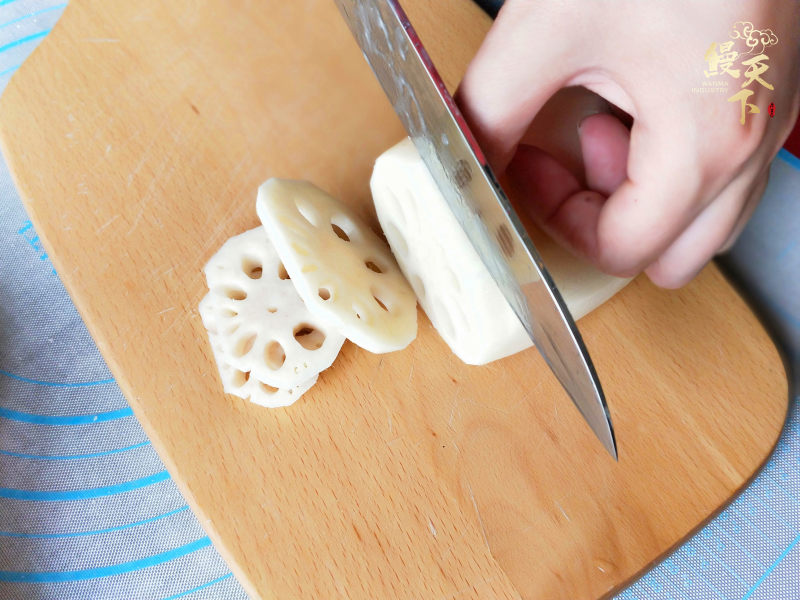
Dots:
pixel 458 166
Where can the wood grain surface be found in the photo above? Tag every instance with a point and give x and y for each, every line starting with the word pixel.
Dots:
pixel 138 134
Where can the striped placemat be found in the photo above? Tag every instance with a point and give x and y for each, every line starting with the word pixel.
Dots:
pixel 87 510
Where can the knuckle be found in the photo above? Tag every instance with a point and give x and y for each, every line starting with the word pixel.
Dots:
pixel 669 274
pixel 733 147
pixel 621 251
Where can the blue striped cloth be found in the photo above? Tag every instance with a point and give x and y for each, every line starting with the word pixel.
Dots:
pixel 87 510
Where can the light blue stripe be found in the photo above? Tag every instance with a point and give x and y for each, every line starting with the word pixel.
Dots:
pixel 739 507
pixel 85 494
pixel 789 158
pixel 785 252
pixel 199 587
pixel 84 574
pixel 770 478
pixel 771 568
pixel 56 383
pixel 738 545
pixel 716 557
pixel 768 509
pixel 55 420
pixel 687 561
pixel 48 536
pixel 10 70
pixel 33 14
pixel 4 2
pixel 74 456
pixel 23 40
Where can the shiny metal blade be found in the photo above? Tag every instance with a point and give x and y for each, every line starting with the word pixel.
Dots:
pixel 458 166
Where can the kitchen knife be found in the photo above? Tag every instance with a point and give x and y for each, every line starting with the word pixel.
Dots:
pixel 449 150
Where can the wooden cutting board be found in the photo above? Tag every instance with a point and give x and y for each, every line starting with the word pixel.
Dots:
pixel 138 134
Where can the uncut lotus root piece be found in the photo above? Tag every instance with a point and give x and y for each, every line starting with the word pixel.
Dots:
pixel 262 327
pixel 242 384
pixel 452 285
pixel 343 271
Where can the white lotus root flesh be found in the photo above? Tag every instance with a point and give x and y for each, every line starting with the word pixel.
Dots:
pixel 262 331
pixel 343 271
pixel 242 384
pixel 452 284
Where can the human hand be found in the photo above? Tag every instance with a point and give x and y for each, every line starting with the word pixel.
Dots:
pixel 676 188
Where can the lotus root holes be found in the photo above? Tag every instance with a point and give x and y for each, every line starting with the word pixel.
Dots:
pixel 309 337
pixel 309 214
pixel 267 389
pixel 244 345
pixel 252 268
pixel 340 233
pixel 373 267
pixel 274 355
pixel 240 377
pixel 380 303
pixel 235 293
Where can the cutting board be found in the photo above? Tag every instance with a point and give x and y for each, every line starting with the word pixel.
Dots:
pixel 138 134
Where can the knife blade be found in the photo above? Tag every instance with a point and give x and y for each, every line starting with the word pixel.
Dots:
pixel 433 121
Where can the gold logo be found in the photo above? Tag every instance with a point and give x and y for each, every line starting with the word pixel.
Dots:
pixel 743 58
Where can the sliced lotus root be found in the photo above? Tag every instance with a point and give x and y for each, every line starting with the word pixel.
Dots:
pixel 261 324
pixel 453 286
pixel 343 271
pixel 242 384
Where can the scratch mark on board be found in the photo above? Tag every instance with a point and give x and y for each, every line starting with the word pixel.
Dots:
pixel 135 223
pixel 453 412
pixel 489 406
pixel 107 223
pixel 431 527
pixel 480 520
pixel 157 178
pixel 180 320
pixel 563 512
